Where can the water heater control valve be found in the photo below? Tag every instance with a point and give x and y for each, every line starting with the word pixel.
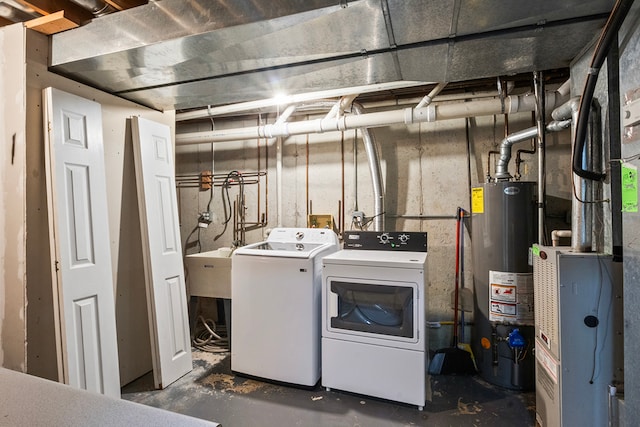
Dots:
pixel 515 339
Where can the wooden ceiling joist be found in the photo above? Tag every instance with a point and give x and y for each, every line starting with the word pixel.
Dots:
pixel 51 24
pixel 72 11
pixel 4 21
pixel 125 4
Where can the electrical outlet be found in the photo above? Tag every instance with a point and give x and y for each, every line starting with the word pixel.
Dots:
pixel 357 217
pixel 204 219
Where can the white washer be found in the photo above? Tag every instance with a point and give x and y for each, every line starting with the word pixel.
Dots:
pixel 374 340
pixel 275 313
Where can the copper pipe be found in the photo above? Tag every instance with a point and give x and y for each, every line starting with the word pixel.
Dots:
pixel 340 221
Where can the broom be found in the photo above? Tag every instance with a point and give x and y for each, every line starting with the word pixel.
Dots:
pixel 454 360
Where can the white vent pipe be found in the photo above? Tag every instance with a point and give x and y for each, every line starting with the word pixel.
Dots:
pixel 557 234
pixel 261 104
pixel 282 119
pixel 431 113
pixel 429 98
pixel 371 148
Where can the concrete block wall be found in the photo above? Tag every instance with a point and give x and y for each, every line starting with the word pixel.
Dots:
pixel 428 170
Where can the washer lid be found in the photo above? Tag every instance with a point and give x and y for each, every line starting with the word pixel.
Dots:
pixel 375 258
pixel 284 249
pixel 293 243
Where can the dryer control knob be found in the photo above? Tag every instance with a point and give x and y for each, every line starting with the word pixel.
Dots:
pixel 403 238
pixel 384 238
pixel 299 235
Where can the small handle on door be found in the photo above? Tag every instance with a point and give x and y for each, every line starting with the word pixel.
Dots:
pixel 333 305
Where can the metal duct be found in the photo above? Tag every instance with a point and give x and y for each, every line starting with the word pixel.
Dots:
pixel 15 12
pixel 607 38
pixel 581 208
pixel 567 110
pixel 371 148
pixel 176 54
pixel 96 7
pixel 581 202
pixel 502 167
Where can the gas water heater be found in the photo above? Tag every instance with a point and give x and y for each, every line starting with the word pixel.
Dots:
pixel 503 231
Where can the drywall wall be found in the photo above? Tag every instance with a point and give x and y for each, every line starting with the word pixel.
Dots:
pixel 28 203
pixel 12 199
pixel 428 170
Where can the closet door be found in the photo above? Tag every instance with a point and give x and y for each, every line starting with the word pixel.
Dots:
pixel 79 235
pixel 164 271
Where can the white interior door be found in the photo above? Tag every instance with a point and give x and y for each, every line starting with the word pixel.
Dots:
pixel 79 236
pixel 164 271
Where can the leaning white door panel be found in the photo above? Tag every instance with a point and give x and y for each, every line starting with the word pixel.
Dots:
pixel 79 236
pixel 164 272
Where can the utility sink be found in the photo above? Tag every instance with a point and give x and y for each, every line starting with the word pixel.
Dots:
pixel 209 273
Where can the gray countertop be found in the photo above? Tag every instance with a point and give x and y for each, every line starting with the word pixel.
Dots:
pixel 26 400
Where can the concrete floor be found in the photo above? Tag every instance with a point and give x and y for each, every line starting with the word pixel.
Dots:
pixel 213 393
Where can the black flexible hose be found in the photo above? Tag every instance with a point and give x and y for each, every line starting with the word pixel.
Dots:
pixel 609 34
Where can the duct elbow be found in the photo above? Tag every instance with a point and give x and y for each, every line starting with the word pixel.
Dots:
pixel 557 126
pixel 502 168
pixel 564 112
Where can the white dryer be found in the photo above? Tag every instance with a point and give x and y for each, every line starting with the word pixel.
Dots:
pixel 374 339
pixel 275 313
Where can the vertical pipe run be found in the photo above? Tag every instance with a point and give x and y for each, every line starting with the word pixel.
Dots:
pixel 283 118
pixel 581 208
pixel 307 177
pixel 279 178
pixel 540 113
pixel 341 203
pixel 355 170
pixel 376 174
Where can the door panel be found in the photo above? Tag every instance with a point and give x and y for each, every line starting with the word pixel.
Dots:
pixel 79 235
pixel 164 271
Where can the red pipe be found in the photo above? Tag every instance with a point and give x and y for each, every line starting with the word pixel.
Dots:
pixel 455 295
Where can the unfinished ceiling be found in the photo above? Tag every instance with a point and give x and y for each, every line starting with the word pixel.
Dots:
pixel 76 12
pixel 177 54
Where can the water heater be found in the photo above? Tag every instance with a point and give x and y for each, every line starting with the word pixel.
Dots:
pixel 503 231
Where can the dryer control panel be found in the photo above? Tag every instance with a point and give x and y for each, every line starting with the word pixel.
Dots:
pixel 386 240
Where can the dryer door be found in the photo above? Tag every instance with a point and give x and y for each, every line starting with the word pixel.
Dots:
pixel 377 309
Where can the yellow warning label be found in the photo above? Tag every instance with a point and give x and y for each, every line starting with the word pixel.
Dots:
pixel 477 200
